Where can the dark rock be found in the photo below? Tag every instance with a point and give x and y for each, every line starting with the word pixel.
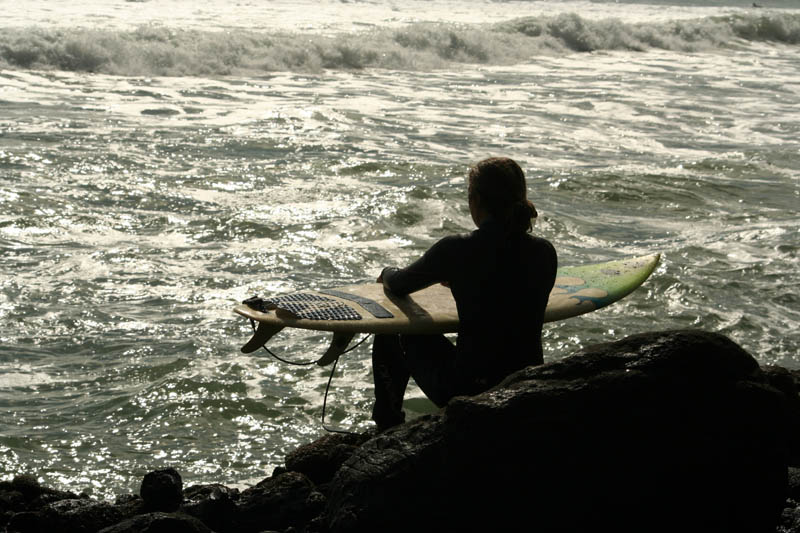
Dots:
pixel 24 493
pixel 27 485
pixel 23 522
pixel 162 490
pixel 320 459
pixel 130 505
pixel 66 516
pixel 279 502
pixel 790 519
pixel 215 491
pixel 159 523
pixel 671 431
pixel 399 471
pixel 47 496
pixel 126 499
pixel 788 382
pixel 794 484
pixel 214 505
pixel 5 516
pixel 12 500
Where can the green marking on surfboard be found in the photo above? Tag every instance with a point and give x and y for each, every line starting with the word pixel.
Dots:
pixel 594 286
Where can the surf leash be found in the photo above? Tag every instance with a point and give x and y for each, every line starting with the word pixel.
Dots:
pixel 330 377
pixel 328 386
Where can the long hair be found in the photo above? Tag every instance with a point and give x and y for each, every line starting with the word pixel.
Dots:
pixel 499 183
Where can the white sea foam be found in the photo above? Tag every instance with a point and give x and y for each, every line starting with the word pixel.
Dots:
pixel 164 50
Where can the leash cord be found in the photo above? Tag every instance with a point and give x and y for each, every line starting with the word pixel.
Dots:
pixel 330 378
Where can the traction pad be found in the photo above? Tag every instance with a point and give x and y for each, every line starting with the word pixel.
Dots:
pixel 377 310
pixel 308 306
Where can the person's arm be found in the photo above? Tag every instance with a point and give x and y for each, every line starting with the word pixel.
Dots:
pixel 429 269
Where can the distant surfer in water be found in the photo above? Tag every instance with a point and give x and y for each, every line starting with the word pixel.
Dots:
pixel 500 276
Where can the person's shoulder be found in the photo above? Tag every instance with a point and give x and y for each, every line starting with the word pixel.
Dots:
pixel 457 239
pixel 539 241
pixel 542 246
pixel 446 246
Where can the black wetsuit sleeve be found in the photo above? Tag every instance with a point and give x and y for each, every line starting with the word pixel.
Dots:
pixel 431 268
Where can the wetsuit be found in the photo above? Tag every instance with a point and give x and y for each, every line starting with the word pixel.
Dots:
pixel 501 284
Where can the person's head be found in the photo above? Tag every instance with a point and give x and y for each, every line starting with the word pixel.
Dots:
pixel 497 189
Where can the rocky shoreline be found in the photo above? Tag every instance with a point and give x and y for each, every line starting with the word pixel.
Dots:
pixel 665 431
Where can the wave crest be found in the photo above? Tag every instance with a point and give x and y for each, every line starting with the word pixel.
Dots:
pixel 157 50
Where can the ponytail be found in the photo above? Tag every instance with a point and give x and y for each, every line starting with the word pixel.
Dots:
pixel 500 184
pixel 520 216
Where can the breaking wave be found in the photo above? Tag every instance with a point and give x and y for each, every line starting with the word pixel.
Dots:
pixel 156 50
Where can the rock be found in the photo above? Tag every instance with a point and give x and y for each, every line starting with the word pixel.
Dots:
pixel 162 490
pixel 398 472
pixel 660 432
pixel 66 516
pixel 214 505
pixel 277 503
pixel 12 500
pixel 130 505
pixel 794 484
pixel 788 382
pixel 790 520
pixel 159 523
pixel 48 496
pixel 320 459
pixel 27 485
pixel 5 516
pixel 24 494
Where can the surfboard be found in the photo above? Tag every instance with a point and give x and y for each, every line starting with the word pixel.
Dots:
pixel 369 308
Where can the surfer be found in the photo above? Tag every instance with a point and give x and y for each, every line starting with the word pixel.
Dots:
pixel 500 276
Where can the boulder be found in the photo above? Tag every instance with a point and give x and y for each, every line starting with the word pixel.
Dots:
pixel 159 523
pixel 214 505
pixel 24 493
pixel 66 516
pixel 27 485
pixel 279 502
pixel 162 490
pixel 668 431
pixel 319 460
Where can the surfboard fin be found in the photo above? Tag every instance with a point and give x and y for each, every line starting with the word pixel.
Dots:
pixel 260 337
pixel 338 345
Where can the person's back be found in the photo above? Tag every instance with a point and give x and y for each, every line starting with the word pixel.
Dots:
pixel 501 293
pixel 500 277
pixel 501 285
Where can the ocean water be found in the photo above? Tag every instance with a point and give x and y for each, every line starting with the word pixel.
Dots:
pixel 162 160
